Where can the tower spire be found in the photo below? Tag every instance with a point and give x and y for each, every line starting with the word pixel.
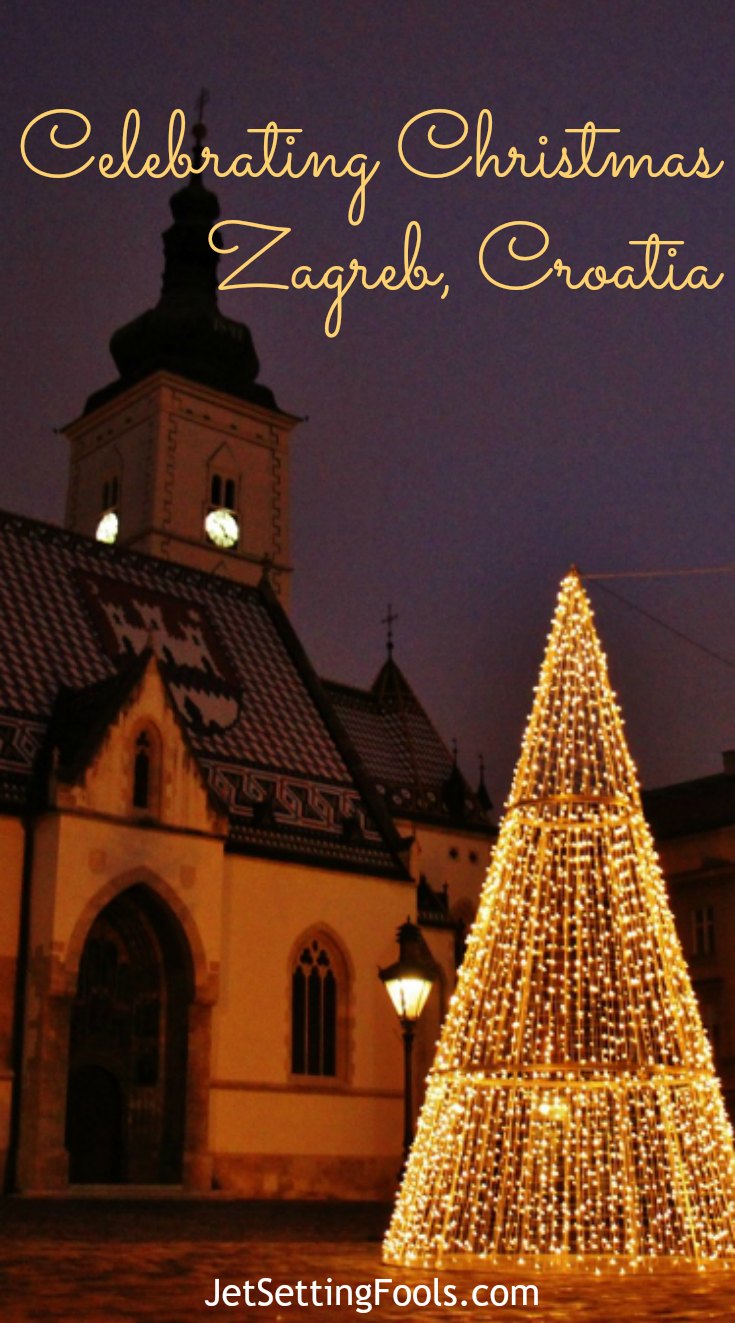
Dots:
pixel 186 333
pixel 572 1113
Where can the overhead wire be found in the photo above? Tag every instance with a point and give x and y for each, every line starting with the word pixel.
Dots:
pixel 596 580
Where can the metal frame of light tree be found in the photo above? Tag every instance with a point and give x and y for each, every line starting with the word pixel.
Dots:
pixel 572 1114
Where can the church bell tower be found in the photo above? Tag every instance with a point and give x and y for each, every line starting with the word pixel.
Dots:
pixel 185 455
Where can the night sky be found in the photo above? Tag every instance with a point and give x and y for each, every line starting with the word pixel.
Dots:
pixel 459 454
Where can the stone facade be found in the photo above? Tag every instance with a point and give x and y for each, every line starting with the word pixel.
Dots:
pixel 161 442
pixel 251 1125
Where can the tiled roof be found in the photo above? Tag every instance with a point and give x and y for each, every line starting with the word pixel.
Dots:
pixel 688 807
pixel 81 717
pixel 403 753
pixel 74 613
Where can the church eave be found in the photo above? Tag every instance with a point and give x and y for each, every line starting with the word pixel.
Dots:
pixel 131 391
pixel 322 852
pixel 14 795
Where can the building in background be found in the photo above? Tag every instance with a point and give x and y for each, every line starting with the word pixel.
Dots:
pixel 206 850
pixel 694 825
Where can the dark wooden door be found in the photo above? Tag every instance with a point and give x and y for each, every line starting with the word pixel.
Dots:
pixel 128 1050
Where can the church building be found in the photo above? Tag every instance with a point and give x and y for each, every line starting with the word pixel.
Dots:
pixel 206 849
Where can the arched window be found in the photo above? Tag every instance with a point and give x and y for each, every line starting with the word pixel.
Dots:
pixel 146 760
pixel 223 491
pixel 318 1010
pixel 110 493
pixel 142 771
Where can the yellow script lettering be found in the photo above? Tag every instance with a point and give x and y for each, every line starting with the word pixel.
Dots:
pixel 278 231
pixel 433 141
pixel 54 140
pixel 513 252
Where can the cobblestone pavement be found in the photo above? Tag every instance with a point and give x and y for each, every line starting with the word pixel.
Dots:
pixel 94 1259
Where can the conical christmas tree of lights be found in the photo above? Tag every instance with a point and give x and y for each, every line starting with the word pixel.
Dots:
pixel 572 1113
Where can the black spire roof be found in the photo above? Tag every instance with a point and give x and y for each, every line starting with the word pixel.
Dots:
pixel 186 333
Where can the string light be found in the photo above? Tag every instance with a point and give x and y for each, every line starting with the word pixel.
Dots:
pixel 573 1114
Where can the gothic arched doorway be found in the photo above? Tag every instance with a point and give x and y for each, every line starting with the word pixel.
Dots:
pixel 126 1099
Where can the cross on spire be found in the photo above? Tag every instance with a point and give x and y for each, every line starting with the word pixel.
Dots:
pixel 389 620
pixel 199 130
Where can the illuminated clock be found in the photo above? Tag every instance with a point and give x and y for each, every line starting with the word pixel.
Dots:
pixel 222 527
pixel 108 527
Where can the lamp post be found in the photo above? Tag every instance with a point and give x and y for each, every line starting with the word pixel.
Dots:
pixel 408 983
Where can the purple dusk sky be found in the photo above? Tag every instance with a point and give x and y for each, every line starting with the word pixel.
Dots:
pixel 459 454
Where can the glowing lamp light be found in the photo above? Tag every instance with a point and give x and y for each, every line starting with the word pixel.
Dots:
pixel 408 993
pixel 408 983
pixel 407 988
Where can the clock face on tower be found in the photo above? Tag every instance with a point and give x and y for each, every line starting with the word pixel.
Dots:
pixel 222 527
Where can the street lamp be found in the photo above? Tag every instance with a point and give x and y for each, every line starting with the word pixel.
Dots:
pixel 408 983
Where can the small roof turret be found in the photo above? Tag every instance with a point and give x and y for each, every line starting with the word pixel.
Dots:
pixel 413 769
